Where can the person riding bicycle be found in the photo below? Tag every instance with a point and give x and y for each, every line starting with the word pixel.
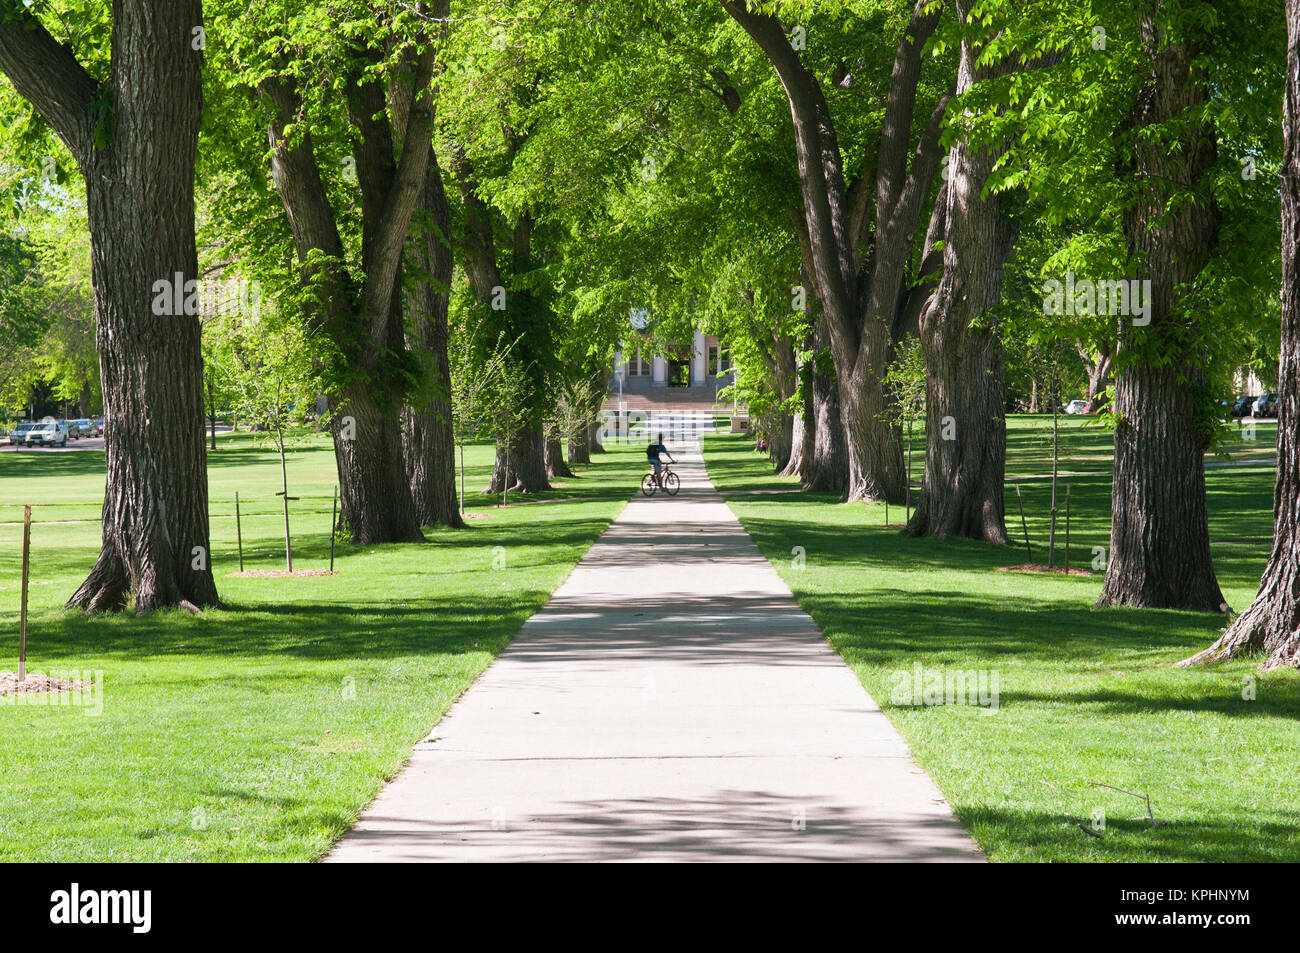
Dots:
pixel 653 452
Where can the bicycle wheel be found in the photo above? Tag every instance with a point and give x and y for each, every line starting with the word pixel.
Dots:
pixel 648 484
pixel 671 483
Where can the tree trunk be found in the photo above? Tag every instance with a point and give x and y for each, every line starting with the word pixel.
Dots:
pixel 526 472
pixel 828 465
pixel 1271 626
pixel 593 439
pixel 140 206
pixel 555 465
pixel 1099 365
pixel 580 444
pixel 362 313
pixel 860 280
pixel 794 465
pixel 779 428
pixel 521 460
pixel 803 430
pixel 874 448
pixel 429 450
pixel 590 398
pixel 368 452
pixel 429 445
pixel 1159 541
pixel 965 443
pixel 1160 544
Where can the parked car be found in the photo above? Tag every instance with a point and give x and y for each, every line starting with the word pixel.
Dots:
pixel 74 432
pixel 1265 406
pixel 1242 405
pixel 1076 407
pixel 85 427
pixel 99 426
pixel 18 436
pixel 52 433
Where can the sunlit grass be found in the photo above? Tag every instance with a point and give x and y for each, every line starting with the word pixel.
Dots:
pixel 258 732
pixel 1085 696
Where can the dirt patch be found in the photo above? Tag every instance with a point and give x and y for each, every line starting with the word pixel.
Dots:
pixel 36 684
pixel 285 572
pixel 479 516
pixel 1039 567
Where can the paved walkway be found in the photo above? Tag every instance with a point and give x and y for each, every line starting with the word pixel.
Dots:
pixel 670 702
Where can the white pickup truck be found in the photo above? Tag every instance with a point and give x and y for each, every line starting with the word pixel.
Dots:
pixel 48 434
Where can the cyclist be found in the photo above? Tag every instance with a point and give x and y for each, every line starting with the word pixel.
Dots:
pixel 653 452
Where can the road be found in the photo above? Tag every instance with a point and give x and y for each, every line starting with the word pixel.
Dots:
pixel 85 443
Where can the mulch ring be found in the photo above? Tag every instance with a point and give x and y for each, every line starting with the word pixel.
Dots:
pixel 1039 567
pixel 285 572
pixel 36 684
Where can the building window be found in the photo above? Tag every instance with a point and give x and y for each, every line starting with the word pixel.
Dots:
pixel 711 367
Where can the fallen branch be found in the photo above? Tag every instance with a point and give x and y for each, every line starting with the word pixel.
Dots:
pixel 1141 797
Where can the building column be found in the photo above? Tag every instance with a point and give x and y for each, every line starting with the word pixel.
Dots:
pixel 658 377
pixel 698 357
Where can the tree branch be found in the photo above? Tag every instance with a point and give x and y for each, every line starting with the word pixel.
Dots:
pixel 385 254
pixel 895 132
pixel 820 172
pixel 297 177
pixel 480 247
pixel 925 163
pixel 49 76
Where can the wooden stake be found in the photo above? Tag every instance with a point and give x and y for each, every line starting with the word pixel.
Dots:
pixel 1023 525
pixel 334 516
pixel 239 534
pixel 22 616
pixel 288 546
pixel 1067 529
pixel 907 491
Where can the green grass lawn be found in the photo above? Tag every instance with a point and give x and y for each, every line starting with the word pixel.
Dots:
pixel 260 731
pixel 1084 695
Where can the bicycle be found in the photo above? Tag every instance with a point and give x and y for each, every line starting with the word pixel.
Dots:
pixel 668 482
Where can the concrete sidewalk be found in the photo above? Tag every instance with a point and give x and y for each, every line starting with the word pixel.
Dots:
pixel 670 702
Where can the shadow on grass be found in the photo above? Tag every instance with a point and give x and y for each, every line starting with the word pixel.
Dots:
pixel 40 464
pixel 454 625
pixel 1130 838
pixel 476 540
pixel 443 596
